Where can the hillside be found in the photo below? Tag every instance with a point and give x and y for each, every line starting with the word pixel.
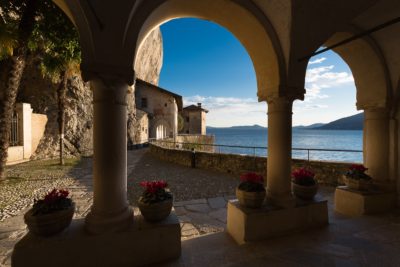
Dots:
pixel 354 122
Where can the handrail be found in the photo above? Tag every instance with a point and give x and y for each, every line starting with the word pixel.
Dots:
pixel 258 147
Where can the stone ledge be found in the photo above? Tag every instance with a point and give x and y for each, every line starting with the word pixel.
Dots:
pixel 247 225
pixel 356 203
pixel 142 244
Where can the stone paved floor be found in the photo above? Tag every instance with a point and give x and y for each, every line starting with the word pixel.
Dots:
pixel 364 241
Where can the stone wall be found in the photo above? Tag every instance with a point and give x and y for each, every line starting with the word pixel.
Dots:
pixel 38 126
pixel 193 141
pixel 329 173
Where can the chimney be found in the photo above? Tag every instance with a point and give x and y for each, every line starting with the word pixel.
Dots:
pixel 199 105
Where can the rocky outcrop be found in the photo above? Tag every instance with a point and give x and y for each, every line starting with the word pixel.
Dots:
pixel 40 92
pixel 150 58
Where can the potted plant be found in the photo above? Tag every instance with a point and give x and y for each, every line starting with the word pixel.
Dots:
pixel 356 178
pixel 155 204
pixel 304 185
pixel 251 191
pixel 51 214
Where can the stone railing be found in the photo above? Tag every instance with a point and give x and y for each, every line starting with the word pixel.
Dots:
pixel 329 173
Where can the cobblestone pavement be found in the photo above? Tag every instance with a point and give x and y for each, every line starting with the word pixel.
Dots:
pixel 198 217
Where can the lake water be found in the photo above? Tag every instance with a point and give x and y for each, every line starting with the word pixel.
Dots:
pixel 311 139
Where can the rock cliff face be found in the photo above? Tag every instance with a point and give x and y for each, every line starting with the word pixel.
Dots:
pixel 150 55
pixel 41 94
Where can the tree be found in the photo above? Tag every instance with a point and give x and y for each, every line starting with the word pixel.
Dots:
pixel 58 40
pixel 24 12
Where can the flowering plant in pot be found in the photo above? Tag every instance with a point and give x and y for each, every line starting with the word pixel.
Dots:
pixel 51 214
pixel 304 184
pixel 155 204
pixel 356 178
pixel 251 191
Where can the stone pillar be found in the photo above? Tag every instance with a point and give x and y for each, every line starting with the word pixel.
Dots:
pixel 279 152
pixel 376 143
pixel 110 211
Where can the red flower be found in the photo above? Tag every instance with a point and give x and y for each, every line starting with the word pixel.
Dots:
pixel 358 167
pixel 302 173
pixel 55 195
pixel 252 178
pixel 153 186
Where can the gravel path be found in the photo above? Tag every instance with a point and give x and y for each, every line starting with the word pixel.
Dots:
pixel 185 183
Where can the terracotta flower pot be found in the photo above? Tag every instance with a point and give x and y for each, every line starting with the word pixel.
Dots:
pixel 304 191
pixel 49 224
pixel 250 199
pixel 155 212
pixel 360 185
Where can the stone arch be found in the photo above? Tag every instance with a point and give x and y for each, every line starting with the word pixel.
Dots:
pixel 242 18
pixel 160 129
pixel 368 67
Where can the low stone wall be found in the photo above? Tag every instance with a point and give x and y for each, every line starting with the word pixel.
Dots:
pixel 328 173
pixel 197 142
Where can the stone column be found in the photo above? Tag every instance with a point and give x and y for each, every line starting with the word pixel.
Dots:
pixel 110 211
pixel 376 143
pixel 279 152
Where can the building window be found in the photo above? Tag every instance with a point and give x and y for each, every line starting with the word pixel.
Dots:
pixel 187 119
pixel 187 131
pixel 142 129
pixel 144 102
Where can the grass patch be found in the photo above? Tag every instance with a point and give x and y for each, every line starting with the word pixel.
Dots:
pixel 40 169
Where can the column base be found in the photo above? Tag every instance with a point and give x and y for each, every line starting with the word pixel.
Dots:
pixel 247 225
pixel 283 200
pixel 99 224
pixel 356 203
pixel 142 244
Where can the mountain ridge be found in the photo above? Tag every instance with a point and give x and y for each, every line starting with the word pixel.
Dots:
pixel 354 122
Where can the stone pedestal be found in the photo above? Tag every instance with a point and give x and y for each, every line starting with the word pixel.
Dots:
pixel 246 225
pixel 356 203
pixel 141 244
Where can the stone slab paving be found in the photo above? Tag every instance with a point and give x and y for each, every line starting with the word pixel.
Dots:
pixel 201 216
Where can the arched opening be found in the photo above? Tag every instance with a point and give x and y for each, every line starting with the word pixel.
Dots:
pixel 328 117
pixel 160 130
pixel 261 42
pixel 209 81
pixel 373 92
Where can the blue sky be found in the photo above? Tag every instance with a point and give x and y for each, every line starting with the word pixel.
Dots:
pixel 205 63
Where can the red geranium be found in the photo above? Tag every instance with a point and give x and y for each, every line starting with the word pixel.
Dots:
pixel 302 173
pixel 358 167
pixel 55 195
pixel 153 186
pixel 303 176
pixel 252 177
pixel 155 191
pixel 55 200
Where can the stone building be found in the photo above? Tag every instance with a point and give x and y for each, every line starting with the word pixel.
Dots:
pixel 161 106
pixel 194 119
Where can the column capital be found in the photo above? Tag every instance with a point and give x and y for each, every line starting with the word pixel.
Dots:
pixel 93 71
pixel 279 104
pixel 375 113
pixel 109 89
